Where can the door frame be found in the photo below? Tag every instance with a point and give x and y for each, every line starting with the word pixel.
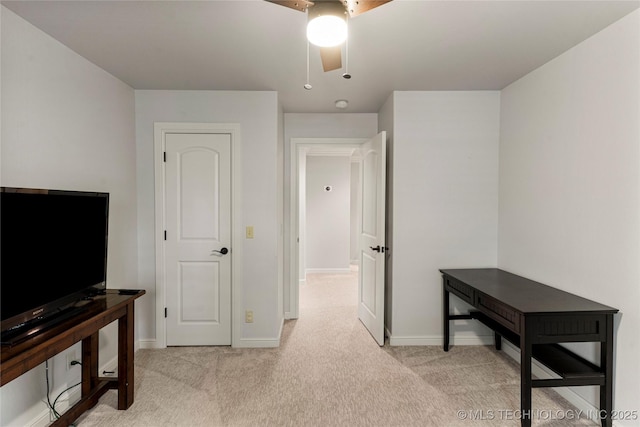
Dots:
pixel 232 129
pixel 298 144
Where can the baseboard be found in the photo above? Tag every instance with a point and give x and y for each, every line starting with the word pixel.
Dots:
pixel 258 343
pixel 262 342
pixel 542 372
pixel 147 343
pixel 436 340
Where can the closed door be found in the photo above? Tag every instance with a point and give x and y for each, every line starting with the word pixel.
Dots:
pixel 198 235
pixel 372 237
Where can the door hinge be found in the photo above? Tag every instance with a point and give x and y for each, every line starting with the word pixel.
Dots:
pixel 165 234
pixel 165 156
pixel 165 312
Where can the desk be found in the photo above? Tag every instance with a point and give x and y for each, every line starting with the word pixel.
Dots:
pixel 535 318
pixel 102 310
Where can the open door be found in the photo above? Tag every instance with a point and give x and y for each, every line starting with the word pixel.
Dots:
pixel 372 237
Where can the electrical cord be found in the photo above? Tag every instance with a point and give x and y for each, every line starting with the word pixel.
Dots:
pixel 61 393
pixel 46 372
pixel 52 406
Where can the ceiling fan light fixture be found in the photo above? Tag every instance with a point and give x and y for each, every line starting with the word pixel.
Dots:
pixel 327 31
pixel 327 24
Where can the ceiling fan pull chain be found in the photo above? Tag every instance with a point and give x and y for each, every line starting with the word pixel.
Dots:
pixel 346 74
pixel 307 85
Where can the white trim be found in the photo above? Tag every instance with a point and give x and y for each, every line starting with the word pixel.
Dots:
pixel 262 342
pixel 258 343
pixel 149 343
pixel 160 130
pixel 292 276
pixel 436 340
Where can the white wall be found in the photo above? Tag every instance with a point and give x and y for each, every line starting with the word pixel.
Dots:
pixel 328 215
pixel 445 203
pixel 570 185
pixel 257 113
pixel 66 124
pixel 355 211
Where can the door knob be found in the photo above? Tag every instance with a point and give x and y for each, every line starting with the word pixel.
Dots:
pixel 377 248
pixel 222 251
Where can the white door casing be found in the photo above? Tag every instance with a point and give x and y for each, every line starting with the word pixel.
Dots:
pixel 198 227
pixel 372 237
pixel 295 242
pixel 198 205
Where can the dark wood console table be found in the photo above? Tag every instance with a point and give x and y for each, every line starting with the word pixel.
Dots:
pixel 535 318
pixel 100 311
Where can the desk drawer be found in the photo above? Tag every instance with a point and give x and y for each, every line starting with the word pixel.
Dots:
pixel 499 312
pixel 461 290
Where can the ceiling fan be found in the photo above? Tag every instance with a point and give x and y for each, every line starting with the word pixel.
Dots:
pixel 333 13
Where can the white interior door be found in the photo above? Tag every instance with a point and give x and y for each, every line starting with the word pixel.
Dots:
pixel 372 237
pixel 198 227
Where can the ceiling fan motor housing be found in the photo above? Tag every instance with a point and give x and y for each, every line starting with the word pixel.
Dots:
pixel 320 8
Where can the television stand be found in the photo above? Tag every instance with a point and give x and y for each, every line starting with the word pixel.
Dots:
pixel 25 355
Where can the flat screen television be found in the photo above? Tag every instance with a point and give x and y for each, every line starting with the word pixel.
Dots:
pixel 53 252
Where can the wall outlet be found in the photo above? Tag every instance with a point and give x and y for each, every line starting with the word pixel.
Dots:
pixel 71 356
pixel 249 231
pixel 248 316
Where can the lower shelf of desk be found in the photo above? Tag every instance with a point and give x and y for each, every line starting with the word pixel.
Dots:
pixel 572 369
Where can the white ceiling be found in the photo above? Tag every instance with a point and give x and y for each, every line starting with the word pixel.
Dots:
pixel 256 45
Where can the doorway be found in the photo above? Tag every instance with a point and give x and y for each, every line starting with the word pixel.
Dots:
pixel 371 231
pixel 299 149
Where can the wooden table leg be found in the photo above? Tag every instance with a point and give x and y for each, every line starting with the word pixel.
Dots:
pixel 125 358
pixel 606 363
pixel 525 375
pixel 90 349
pixel 445 317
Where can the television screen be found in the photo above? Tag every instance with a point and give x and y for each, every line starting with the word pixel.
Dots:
pixel 53 250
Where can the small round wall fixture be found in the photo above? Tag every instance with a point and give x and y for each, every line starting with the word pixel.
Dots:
pixel 342 104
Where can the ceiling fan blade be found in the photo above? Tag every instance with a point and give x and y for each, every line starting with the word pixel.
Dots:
pixel 331 58
pixel 357 7
pixel 300 5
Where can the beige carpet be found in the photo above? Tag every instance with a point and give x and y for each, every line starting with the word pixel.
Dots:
pixel 328 371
